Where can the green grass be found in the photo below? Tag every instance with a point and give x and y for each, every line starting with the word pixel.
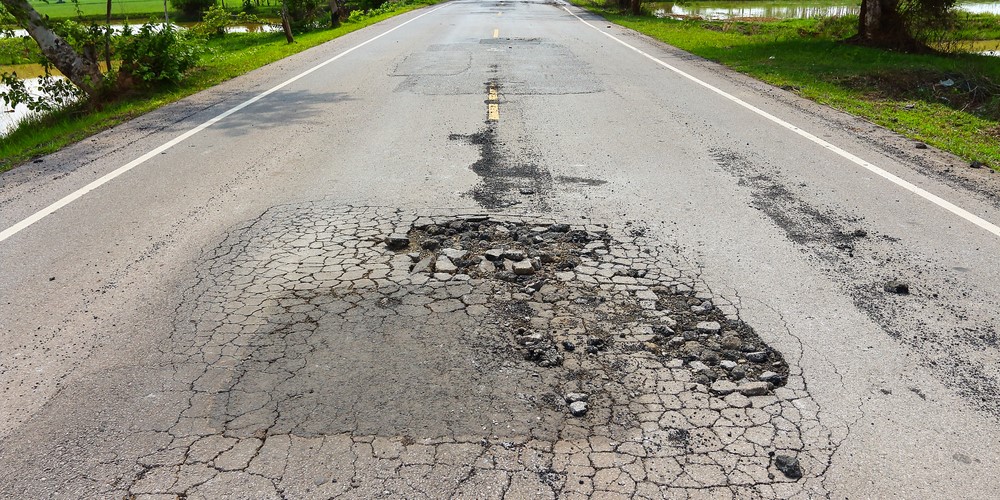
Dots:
pixel 901 92
pixel 120 9
pixel 229 56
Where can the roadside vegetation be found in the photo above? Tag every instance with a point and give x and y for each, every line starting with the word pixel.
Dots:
pixel 147 67
pixel 943 96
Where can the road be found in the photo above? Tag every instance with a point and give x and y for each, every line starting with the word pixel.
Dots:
pixel 210 308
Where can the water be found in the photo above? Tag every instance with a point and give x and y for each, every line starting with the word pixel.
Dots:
pixel 239 28
pixel 720 11
pixel 10 117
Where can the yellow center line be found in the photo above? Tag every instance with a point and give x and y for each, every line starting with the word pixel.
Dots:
pixel 496 33
pixel 492 103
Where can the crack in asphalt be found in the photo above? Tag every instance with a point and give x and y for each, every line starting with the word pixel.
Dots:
pixel 862 262
pixel 308 359
pixel 305 288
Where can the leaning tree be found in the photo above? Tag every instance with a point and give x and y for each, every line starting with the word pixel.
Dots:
pixel 84 72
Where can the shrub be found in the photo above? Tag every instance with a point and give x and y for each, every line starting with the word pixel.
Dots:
pixel 217 19
pixel 156 55
pixel 307 14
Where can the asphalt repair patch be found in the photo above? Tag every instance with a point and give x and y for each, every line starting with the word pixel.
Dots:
pixel 362 351
pixel 506 179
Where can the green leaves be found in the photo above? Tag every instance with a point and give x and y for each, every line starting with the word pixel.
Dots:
pixel 156 54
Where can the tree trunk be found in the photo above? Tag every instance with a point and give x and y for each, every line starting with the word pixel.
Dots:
pixel 107 39
pixel 635 6
pixel 880 24
pixel 84 73
pixel 334 13
pixel 286 26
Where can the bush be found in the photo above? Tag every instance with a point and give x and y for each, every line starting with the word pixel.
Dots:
pixel 307 14
pixel 156 55
pixel 365 5
pixel 192 9
pixel 218 19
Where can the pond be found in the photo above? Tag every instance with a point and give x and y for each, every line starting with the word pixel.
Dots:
pixel 803 9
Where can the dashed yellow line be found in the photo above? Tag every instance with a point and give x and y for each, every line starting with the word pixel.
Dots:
pixel 492 103
pixel 496 33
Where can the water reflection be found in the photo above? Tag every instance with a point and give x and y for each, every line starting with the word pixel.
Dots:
pixel 11 116
pixel 238 28
pixel 720 11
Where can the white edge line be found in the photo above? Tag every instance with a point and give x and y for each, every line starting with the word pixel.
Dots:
pixel 75 195
pixel 937 200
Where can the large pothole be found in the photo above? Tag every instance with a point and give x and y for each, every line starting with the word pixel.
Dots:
pixel 370 352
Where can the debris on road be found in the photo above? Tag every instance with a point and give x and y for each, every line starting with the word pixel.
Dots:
pixel 897 287
pixel 471 353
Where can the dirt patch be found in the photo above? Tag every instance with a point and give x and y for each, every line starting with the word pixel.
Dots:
pixel 957 91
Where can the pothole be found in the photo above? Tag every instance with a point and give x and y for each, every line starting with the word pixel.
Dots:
pixel 368 351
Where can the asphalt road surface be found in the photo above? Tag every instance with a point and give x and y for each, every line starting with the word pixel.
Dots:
pixel 619 271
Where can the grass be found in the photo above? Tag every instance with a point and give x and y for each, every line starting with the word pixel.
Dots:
pixel 120 9
pixel 230 56
pixel 902 92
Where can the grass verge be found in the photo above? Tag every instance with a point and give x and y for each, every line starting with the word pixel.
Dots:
pixel 228 57
pixel 950 101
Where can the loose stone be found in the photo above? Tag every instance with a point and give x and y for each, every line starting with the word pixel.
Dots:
pixel 897 287
pixel 454 253
pixel 573 397
pixel 523 268
pixel 423 265
pixel 723 387
pixel 754 388
pixel 731 341
pixel 397 241
pixel 494 254
pixel 445 265
pixel 515 255
pixel 771 377
pixel 708 326
pixel 789 466
pixel 486 266
pixel 578 408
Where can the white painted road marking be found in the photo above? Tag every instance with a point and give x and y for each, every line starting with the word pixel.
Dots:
pixel 933 198
pixel 75 195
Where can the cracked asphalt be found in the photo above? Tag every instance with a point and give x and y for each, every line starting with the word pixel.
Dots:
pixel 612 284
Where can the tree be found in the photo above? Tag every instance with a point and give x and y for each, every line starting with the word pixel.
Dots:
pixel 192 9
pixel 900 24
pixel 84 72
pixel 635 7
